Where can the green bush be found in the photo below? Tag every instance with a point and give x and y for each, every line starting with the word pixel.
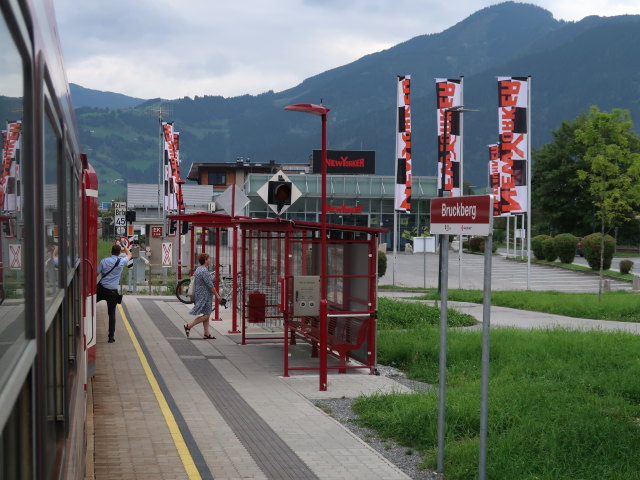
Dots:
pixel 549 249
pixel 626 266
pixel 476 244
pixel 536 246
pixel 591 246
pixel 382 263
pixel 566 246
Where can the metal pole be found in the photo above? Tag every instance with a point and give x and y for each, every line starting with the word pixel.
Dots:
pixel 395 246
pixel 323 266
pixel 529 183
pixel 444 247
pixel 486 325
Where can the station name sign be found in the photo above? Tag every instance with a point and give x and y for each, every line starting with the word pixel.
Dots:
pixel 346 162
pixel 462 215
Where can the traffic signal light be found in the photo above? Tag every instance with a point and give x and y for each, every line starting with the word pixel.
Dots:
pixel 279 193
pixel 185 228
pixel 172 227
pixel 130 216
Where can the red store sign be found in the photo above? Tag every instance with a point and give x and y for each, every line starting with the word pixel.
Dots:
pixel 156 232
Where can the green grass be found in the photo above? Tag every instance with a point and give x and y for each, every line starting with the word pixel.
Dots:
pixel 562 404
pixel 396 314
pixel 617 305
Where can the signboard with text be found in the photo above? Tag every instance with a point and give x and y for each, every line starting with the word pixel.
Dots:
pixel 462 215
pixel 346 162
pixel 119 214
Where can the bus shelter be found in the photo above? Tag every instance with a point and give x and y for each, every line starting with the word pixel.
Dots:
pixel 274 267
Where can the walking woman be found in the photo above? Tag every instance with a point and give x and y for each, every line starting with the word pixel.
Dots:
pixel 204 291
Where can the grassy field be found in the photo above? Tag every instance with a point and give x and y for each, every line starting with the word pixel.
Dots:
pixel 562 404
pixel 617 305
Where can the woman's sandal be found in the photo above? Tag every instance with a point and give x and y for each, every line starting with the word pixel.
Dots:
pixel 209 336
pixel 186 330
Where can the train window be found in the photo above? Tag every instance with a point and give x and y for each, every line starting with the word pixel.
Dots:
pixel 52 212
pixel 68 210
pixel 76 216
pixel 12 323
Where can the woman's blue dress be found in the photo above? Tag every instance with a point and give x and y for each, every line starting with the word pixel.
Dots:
pixel 202 292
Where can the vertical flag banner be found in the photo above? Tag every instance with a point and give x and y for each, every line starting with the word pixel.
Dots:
pixel 172 182
pixel 402 201
pixel 513 98
pixel 494 177
pixel 449 94
pixel 10 196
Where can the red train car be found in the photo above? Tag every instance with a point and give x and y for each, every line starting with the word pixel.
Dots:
pixel 48 227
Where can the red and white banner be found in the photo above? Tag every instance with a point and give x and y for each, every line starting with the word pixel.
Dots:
pixel 448 95
pixel 513 128
pixel 10 199
pixel 173 200
pixel 402 202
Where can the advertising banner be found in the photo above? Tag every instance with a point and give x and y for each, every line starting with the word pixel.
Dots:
pixel 448 95
pixel 402 199
pixel 173 200
pixel 513 130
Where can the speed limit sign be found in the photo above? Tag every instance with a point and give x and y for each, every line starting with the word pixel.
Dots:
pixel 124 241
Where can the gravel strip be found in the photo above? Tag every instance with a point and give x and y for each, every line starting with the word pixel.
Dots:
pixel 405 458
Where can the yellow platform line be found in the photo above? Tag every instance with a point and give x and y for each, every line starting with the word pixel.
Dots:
pixel 178 439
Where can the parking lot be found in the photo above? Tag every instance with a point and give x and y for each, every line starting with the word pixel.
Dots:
pixel 421 270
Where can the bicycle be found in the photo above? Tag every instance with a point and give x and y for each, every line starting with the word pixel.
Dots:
pixel 225 290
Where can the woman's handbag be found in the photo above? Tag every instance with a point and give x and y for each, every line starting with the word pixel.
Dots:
pixel 190 290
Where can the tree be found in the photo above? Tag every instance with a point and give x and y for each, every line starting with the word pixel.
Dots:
pixel 611 172
pixel 560 200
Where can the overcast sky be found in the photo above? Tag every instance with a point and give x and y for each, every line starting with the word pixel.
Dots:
pixel 172 49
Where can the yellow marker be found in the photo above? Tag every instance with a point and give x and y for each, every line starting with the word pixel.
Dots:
pixel 178 440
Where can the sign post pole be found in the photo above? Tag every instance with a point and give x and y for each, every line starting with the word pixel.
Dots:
pixel 472 215
pixel 486 325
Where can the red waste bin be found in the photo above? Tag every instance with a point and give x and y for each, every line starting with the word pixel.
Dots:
pixel 256 305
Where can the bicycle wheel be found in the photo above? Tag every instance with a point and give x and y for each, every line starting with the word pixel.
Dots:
pixel 181 291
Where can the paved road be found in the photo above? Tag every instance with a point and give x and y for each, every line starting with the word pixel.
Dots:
pixel 419 270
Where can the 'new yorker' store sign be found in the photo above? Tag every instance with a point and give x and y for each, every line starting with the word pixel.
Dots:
pixel 462 215
pixel 346 162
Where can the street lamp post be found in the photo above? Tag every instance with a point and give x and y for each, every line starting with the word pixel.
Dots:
pixel 322 112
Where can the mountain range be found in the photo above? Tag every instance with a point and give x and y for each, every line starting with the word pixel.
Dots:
pixel 573 65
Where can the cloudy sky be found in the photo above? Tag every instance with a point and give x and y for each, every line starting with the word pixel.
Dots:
pixel 172 49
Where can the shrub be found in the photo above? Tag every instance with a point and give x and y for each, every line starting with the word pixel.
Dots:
pixel 476 244
pixel 566 246
pixel 591 246
pixel 382 263
pixel 536 246
pixel 549 249
pixel 626 266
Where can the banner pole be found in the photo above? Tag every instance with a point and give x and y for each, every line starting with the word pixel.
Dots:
pixel 529 159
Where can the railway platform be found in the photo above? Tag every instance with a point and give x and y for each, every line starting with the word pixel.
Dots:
pixel 165 406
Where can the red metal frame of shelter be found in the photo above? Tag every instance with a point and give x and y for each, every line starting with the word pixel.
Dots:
pixel 274 250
